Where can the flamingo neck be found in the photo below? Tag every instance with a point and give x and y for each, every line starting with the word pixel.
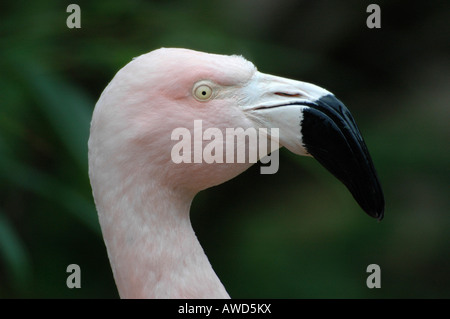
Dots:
pixel 152 247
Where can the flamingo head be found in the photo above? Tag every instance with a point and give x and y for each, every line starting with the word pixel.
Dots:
pixel 178 102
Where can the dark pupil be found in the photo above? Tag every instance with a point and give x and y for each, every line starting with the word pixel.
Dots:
pixel 203 92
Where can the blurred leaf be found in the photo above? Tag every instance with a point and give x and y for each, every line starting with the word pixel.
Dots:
pixel 49 187
pixel 67 109
pixel 297 233
pixel 14 254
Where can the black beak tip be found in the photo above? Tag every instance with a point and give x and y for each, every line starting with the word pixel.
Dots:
pixel 331 136
pixel 379 215
pixel 372 204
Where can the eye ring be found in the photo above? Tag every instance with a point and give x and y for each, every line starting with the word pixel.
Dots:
pixel 203 92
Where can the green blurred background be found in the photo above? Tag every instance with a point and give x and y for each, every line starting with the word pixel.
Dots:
pixel 294 234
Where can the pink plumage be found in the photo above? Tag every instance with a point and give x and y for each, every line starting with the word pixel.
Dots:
pixel 142 196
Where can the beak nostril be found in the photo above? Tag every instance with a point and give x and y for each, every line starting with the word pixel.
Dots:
pixel 288 94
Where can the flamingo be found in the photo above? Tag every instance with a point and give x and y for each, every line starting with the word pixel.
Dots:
pixel 143 196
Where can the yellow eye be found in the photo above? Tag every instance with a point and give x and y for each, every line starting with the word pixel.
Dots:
pixel 203 92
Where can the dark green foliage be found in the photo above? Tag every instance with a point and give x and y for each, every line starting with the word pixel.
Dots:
pixel 294 234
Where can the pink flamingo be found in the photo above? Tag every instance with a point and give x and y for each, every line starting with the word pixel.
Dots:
pixel 143 197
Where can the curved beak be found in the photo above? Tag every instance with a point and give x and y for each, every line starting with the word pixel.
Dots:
pixel 313 122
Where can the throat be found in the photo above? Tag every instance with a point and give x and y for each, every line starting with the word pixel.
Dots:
pixel 153 250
